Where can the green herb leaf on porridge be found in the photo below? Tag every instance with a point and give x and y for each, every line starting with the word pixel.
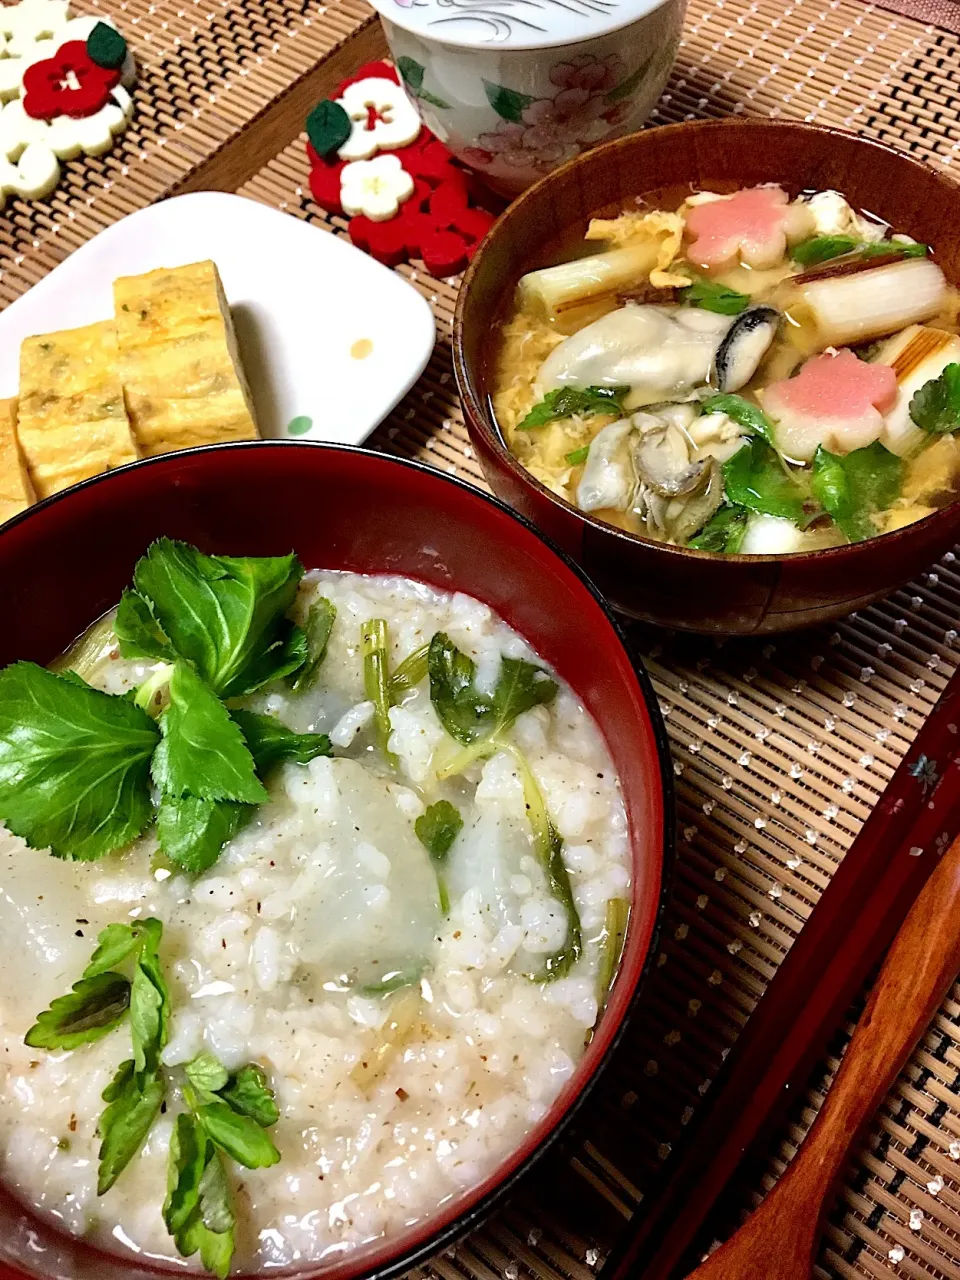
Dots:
pixel 224 613
pixel 210 1229
pixel 408 674
pixel 614 936
pixel 318 627
pixel 197 1210
pixel 192 831
pixel 149 1002
pixel 270 742
pixel 206 1073
pixel 189 1149
pixel 239 1136
pixel 376 680
pixel 133 1104
pixel 74 764
pixel 137 630
pixel 114 944
pixel 203 752
pixel 437 828
pixel 247 1093
pixel 92 1007
pixel 469 715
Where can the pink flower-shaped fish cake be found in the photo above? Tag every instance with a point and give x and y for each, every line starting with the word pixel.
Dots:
pixel 835 400
pixel 754 225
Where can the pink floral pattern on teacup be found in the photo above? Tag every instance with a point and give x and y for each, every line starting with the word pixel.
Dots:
pixel 550 130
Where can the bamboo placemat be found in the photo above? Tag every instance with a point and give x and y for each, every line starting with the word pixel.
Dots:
pixel 780 747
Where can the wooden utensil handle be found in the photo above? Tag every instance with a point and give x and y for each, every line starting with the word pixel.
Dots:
pixel 919 970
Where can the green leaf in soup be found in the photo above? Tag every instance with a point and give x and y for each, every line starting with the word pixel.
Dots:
pixel 114 944
pixel 189 1152
pixel 248 1094
pixel 711 296
pixel 507 103
pixel 320 619
pixel 469 715
pixel 741 411
pixel 91 1008
pixel 203 752
pixel 437 828
pixel 270 742
pixel 755 478
pixel 854 487
pixel 905 249
pixel 192 831
pixel 132 1107
pixel 411 73
pixel 74 764
pixel 137 630
pixel 821 249
pixel 225 614
pixel 206 1073
pixel 723 532
pixel 149 1002
pixel 935 407
pixel 565 402
pixel 238 1135
pixel 578 456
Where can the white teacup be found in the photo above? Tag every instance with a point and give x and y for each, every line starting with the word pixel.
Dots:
pixel 517 87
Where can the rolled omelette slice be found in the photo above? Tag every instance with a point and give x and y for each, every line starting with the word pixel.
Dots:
pixel 179 361
pixel 71 419
pixel 16 491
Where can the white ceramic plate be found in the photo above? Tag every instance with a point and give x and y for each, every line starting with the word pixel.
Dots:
pixel 305 303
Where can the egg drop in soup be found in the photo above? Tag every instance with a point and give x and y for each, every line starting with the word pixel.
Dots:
pixel 741 373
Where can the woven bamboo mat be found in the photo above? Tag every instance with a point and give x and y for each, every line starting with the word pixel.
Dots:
pixel 780 747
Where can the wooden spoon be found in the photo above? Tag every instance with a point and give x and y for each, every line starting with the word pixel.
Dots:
pixel 779 1241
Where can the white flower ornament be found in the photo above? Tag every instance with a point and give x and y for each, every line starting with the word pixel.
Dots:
pixel 382 117
pixel 375 188
pixel 30 149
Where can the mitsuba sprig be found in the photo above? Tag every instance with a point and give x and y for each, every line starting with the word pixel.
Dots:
pixel 76 764
pixel 227 1113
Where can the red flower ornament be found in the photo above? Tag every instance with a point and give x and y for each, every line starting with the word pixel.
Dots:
pixel 439 223
pixel 68 84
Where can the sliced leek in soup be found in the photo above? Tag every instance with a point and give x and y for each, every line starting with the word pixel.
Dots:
pixel 739 373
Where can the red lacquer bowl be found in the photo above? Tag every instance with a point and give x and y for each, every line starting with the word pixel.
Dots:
pixel 675 586
pixel 64 562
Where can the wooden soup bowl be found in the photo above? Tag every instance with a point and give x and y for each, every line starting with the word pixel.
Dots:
pixel 675 586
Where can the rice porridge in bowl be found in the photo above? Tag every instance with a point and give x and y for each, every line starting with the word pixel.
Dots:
pixel 343 877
